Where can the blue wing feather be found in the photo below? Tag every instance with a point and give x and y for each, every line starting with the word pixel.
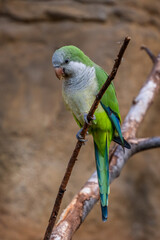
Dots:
pixel 116 123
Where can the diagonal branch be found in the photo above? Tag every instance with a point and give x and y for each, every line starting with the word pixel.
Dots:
pixel 78 146
pixel 142 102
pixel 84 201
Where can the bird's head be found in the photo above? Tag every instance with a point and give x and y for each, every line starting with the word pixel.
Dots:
pixel 67 60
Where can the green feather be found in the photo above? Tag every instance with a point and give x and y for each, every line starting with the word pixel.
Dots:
pixel 115 121
pixel 109 99
pixel 75 54
pixel 102 164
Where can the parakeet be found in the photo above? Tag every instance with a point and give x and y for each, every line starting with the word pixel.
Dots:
pixel 82 80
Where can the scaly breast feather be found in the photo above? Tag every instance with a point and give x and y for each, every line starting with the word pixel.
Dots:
pixel 80 101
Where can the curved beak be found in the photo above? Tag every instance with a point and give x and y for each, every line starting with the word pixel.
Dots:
pixel 59 72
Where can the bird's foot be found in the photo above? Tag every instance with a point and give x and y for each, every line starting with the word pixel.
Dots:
pixel 79 137
pixel 86 120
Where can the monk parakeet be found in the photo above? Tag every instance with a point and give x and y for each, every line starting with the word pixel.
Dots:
pixel 82 80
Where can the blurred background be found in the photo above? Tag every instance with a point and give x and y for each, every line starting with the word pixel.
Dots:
pixel 37 134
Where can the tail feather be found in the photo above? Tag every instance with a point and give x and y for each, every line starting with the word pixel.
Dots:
pixel 104 213
pixel 102 165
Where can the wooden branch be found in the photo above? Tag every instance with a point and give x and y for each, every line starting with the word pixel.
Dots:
pixel 138 145
pixel 142 102
pixel 79 144
pixel 142 144
pixel 150 54
pixel 83 202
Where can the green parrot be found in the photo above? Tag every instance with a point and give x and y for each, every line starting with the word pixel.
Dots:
pixel 82 81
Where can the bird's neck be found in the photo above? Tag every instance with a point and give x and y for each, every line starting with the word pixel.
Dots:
pixel 83 77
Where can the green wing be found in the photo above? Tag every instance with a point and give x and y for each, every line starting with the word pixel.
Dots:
pixel 78 123
pixel 109 99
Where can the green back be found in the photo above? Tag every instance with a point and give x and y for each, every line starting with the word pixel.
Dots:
pixel 109 99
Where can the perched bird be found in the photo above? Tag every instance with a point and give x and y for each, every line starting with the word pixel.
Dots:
pixel 82 81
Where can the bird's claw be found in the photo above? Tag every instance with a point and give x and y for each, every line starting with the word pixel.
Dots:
pixel 79 137
pixel 86 120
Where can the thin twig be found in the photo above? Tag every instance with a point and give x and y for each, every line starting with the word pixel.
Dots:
pixel 73 158
pixel 150 54
pixel 83 202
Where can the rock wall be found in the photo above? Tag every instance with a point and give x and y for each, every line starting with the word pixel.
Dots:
pixel 37 134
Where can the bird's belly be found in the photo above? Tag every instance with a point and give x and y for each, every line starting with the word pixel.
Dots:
pixel 79 103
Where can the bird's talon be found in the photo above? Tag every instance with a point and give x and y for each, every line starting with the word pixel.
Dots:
pixel 80 138
pixel 86 120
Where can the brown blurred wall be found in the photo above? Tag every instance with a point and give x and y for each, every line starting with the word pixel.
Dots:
pixel 37 134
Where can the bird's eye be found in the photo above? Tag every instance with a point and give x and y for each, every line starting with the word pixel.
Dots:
pixel 67 61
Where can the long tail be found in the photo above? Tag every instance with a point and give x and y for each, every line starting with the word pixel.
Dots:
pixel 102 164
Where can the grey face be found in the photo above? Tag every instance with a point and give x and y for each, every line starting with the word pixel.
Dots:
pixel 60 60
pixel 57 59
